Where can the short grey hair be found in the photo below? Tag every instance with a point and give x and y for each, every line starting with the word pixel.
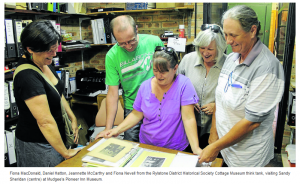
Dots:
pixel 204 38
pixel 163 61
pixel 245 15
pixel 123 21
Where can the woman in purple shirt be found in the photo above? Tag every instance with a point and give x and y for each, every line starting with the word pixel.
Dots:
pixel 165 102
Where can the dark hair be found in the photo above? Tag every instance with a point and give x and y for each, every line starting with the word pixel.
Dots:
pixel 39 36
pixel 163 61
pixel 245 15
pixel 126 20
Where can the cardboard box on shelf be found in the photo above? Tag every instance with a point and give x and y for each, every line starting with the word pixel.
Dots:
pixel 169 5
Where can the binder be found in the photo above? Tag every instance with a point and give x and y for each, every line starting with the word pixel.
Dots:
pixel 5 48
pixel 108 32
pixel 13 105
pixel 63 79
pixel 54 7
pixel 17 25
pixel 49 7
pixel 6 162
pixel 6 101
pixel 102 37
pixel 10 147
pixel 94 31
pixel 36 6
pixel 57 27
pixel 57 8
pixel 10 41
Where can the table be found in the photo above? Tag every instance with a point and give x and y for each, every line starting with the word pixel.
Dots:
pixel 76 160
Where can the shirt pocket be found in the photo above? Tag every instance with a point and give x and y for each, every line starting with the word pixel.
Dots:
pixel 235 98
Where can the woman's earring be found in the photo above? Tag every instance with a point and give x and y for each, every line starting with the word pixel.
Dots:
pixel 31 56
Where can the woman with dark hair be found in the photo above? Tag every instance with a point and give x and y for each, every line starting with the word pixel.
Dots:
pixel 165 102
pixel 40 132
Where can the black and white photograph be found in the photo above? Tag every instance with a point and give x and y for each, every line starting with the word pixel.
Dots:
pixel 153 162
pixel 112 150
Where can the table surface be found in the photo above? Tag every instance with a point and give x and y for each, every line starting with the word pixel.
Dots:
pixel 76 160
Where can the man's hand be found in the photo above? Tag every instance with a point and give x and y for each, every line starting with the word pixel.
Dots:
pixel 209 154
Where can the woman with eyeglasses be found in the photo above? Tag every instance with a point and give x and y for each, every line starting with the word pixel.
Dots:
pixel 165 102
pixel 250 85
pixel 203 67
pixel 40 133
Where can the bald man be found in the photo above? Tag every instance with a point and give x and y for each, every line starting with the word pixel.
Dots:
pixel 128 62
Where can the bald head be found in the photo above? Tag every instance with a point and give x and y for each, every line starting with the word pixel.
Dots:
pixel 122 23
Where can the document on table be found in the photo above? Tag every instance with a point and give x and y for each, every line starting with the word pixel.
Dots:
pixel 186 160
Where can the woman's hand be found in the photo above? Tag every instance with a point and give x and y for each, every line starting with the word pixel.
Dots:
pixel 75 131
pixel 112 133
pixel 71 153
pixel 198 151
pixel 197 107
pixel 208 108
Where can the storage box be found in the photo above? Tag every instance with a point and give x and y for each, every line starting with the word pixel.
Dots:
pixel 169 5
pixel 136 6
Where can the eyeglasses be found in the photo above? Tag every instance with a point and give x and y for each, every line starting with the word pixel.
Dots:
pixel 229 83
pixel 130 42
pixel 213 27
pixel 168 50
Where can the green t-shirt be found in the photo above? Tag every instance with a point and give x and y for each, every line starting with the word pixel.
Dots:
pixel 131 68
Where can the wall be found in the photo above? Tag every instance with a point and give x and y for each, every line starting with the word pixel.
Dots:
pixel 148 23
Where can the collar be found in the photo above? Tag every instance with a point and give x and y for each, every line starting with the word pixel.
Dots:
pixel 255 51
pixel 200 62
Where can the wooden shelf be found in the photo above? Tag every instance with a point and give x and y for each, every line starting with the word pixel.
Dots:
pixel 140 11
pixel 34 12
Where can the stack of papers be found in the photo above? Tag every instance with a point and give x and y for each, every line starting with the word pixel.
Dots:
pixel 110 153
pixel 114 152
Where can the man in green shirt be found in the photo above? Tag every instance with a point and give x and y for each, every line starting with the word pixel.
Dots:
pixel 128 63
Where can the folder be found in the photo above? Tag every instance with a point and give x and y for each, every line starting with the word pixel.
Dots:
pixel 10 147
pixel 102 37
pixel 17 24
pixel 10 41
pixel 13 105
pixel 6 101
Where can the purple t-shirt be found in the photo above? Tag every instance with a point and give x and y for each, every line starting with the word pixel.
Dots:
pixel 162 124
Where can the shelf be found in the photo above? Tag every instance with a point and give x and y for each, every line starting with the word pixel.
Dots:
pixel 11 119
pixel 74 50
pixel 60 66
pixel 12 11
pixel 140 11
